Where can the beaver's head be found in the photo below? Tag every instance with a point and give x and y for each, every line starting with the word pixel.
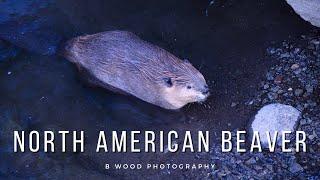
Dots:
pixel 185 84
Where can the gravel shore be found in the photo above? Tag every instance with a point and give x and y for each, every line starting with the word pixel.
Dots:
pixel 294 80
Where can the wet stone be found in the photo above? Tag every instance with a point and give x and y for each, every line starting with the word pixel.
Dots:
pixel 295 167
pixel 279 117
pixel 251 161
pixel 278 79
pixel 272 95
pixel 7 51
pixel 298 92
pixel 295 66
pixel 309 89
pixel 233 104
pixel 258 168
pixel 32 36
pixel 269 76
pixel 275 89
pixel 297 71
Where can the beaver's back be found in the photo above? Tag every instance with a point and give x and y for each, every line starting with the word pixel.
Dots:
pixel 116 47
pixel 121 59
pixel 116 54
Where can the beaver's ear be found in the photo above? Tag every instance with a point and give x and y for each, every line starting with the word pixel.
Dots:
pixel 168 81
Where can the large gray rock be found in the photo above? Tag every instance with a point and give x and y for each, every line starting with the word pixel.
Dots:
pixel 309 10
pixel 275 117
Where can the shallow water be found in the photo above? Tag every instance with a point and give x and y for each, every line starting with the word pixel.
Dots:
pixel 41 90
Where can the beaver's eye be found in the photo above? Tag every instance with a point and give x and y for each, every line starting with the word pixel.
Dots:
pixel 168 82
pixel 188 87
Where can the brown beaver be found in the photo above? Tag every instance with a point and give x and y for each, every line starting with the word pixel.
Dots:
pixel 121 61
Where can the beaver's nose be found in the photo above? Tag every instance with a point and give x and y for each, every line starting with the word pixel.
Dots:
pixel 205 90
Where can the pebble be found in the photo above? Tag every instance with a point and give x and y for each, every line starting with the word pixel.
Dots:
pixel 270 167
pixel 272 95
pixel 315 42
pixel 233 104
pixel 309 89
pixel 303 121
pixel 258 168
pixel 311 137
pixel 295 167
pixel 269 76
pixel 250 102
pixel 275 89
pixel 297 71
pixel 295 66
pixel 298 92
pixel 284 55
pixel 278 79
pixel 264 101
pixel 250 161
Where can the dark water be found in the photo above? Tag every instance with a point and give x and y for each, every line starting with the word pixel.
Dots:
pixel 40 90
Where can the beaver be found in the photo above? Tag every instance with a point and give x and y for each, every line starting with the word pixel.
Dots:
pixel 120 61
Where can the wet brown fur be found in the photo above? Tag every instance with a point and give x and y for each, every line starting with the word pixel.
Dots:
pixel 120 60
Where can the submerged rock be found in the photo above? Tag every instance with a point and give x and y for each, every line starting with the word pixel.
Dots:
pixel 34 36
pixel 31 25
pixel 7 51
pixel 309 10
pixel 274 117
pixel 295 167
pixel 15 8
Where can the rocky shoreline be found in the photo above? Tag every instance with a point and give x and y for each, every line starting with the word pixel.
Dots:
pixel 294 80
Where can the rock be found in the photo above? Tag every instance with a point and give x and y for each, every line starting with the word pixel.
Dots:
pixel 31 25
pixel 264 101
pixel 278 79
pixel 285 55
pixel 33 36
pixel 7 51
pixel 250 161
pixel 303 121
pixel 297 71
pixel 233 104
pixel 275 89
pixel 269 76
pixel 298 92
pixel 295 167
pixel 312 136
pixel 280 91
pixel 307 9
pixel 295 66
pixel 18 9
pixel 257 167
pixel 272 95
pixel 309 89
pixel 315 42
pixel 274 117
